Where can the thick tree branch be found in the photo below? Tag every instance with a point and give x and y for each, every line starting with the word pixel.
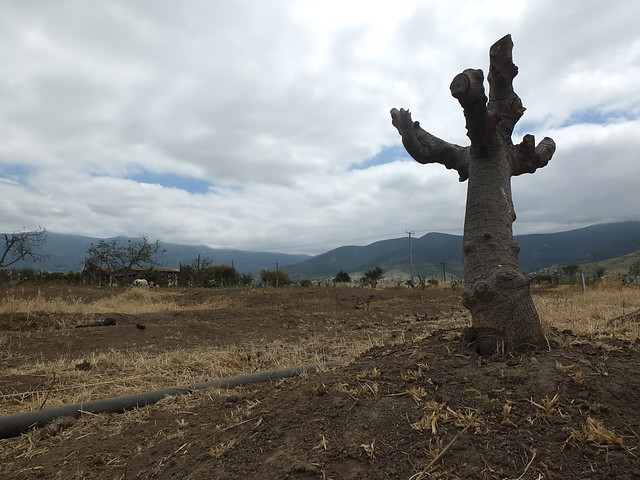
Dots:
pixel 426 148
pixel 468 88
pixel 504 105
pixel 529 158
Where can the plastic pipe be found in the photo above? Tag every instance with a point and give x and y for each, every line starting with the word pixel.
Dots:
pixel 19 423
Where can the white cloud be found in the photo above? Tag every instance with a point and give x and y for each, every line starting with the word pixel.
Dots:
pixel 274 103
pixel 592 178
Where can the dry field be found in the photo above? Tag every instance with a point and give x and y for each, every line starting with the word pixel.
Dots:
pixel 412 402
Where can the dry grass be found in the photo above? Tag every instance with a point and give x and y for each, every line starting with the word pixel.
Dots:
pixel 223 448
pixel 370 450
pixel 62 312
pixel 596 434
pixel 131 300
pixel 115 373
pixel 548 405
pixel 591 312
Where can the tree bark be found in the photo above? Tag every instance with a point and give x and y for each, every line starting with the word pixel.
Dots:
pixel 504 317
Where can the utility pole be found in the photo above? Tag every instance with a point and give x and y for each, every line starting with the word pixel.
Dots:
pixel 410 232
pixel 444 273
pixel 277 275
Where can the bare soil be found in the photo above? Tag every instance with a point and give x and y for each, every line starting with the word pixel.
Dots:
pixel 421 406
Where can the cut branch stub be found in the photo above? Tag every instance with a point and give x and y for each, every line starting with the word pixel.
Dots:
pixel 529 157
pixel 502 70
pixel 468 88
pixel 504 103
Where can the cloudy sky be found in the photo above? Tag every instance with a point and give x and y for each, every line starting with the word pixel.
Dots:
pixel 264 125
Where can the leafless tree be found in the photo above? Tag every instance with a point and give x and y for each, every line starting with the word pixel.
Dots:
pixel 496 291
pixel 22 246
pixel 119 258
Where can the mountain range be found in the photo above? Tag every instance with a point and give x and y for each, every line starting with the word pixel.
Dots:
pixel 433 254
pixel 437 254
pixel 65 253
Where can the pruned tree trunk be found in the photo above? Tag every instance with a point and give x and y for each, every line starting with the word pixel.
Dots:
pixel 496 291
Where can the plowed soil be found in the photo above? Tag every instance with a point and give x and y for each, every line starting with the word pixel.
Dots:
pixel 421 406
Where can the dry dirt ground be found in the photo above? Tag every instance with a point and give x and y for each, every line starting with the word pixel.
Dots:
pixel 420 406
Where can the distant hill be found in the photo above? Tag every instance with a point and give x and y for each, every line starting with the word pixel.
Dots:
pixel 432 253
pixel 64 253
pixel 586 245
pixel 613 267
pixel 429 252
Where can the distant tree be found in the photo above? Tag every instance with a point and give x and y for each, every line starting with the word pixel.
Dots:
pixel 571 271
pixel 119 257
pixel 203 273
pixel 246 279
pixel 184 276
pixel 28 275
pixel 635 270
pixel 342 277
pixel 274 278
pixel 154 277
pixel 74 278
pixel 21 246
pixel 599 273
pixel 372 277
pixel 57 278
pixel 222 276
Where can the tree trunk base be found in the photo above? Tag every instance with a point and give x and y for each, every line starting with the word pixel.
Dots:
pixel 504 315
pixel 490 341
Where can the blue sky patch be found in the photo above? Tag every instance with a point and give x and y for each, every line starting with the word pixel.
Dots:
pixel 190 184
pixel 596 117
pixel 14 172
pixel 386 155
pixel 582 117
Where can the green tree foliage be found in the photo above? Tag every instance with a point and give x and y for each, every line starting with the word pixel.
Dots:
pixel 342 277
pixel 204 274
pixel 21 246
pixel 28 275
pixel 154 277
pixel 634 270
pixel 14 276
pixel 221 276
pixel 571 271
pixel 599 273
pixel 372 277
pixel 274 278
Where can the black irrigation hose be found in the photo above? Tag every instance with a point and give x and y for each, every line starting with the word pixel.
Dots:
pixel 19 423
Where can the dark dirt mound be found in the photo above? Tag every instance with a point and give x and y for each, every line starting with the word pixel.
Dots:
pixel 570 412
